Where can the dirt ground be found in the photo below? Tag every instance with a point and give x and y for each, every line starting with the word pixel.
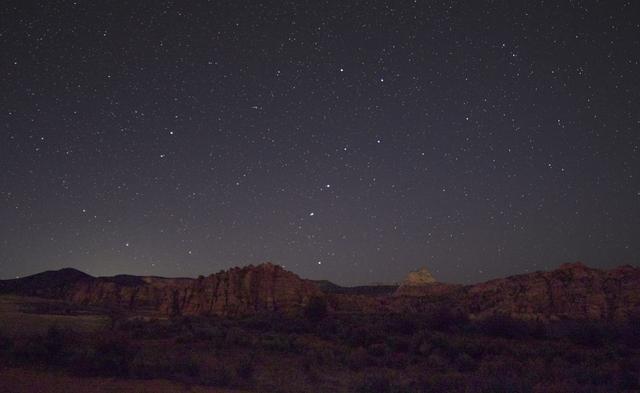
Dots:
pixel 14 321
pixel 14 380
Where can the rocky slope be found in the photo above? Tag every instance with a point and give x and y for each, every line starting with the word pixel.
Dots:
pixel 574 291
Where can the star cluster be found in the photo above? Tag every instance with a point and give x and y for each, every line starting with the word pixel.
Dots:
pixel 351 141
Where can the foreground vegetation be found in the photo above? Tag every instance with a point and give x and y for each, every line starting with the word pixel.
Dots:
pixel 436 352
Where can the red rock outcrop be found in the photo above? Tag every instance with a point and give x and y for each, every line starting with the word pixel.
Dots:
pixel 235 292
pixel 247 290
pixel 574 291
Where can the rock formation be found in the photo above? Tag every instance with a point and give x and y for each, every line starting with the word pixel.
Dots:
pixel 235 292
pixel 417 283
pixel 574 291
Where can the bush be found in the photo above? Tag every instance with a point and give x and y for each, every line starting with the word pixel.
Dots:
pixel 220 375
pixel 358 359
pixel 110 354
pixel 5 343
pixel 54 348
pixel 279 343
pixel 245 368
pixel 156 363
pixel 504 326
pixel 446 319
pixel 466 363
pixel 588 333
pixel 375 383
pixel 399 344
pixel 316 309
pixel 149 329
pixel 238 337
pixel 378 350
pixel 630 332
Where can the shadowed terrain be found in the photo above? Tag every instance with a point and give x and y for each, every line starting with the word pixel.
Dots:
pixel 264 329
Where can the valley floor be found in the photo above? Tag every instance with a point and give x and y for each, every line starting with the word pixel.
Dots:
pixel 48 347
pixel 14 380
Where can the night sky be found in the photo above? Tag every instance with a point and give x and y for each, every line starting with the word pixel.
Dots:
pixel 349 141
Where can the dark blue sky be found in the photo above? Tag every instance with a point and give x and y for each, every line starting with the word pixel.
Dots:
pixel 352 141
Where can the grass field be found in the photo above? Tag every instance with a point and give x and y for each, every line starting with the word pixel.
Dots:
pixel 14 320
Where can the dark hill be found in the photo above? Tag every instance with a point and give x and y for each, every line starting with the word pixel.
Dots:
pixel 51 283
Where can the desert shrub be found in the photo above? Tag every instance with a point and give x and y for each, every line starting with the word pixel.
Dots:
pixel 237 337
pixel 152 329
pixel 376 383
pixel 472 346
pixel 444 383
pixel 5 343
pixel 437 361
pixel 446 319
pixel 465 363
pixel 316 309
pixel 218 375
pixel 279 343
pixel 590 374
pixel 395 360
pixel 261 321
pixel 444 344
pixel 504 326
pixel 421 343
pixel 59 345
pixel 588 333
pixel 364 335
pixel 402 324
pixel 28 351
pixel 109 354
pixel 630 332
pixel 627 375
pixel 503 374
pixel 273 322
pixel 378 350
pixel 163 364
pixel 398 343
pixel 319 354
pixel 54 348
pixel 358 359
pixel 245 368
pixel 329 328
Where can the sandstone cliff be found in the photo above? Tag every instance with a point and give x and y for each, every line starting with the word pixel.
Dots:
pixel 235 292
pixel 573 291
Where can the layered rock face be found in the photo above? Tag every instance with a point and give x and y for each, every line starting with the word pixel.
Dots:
pixel 574 291
pixel 241 291
pixel 235 292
